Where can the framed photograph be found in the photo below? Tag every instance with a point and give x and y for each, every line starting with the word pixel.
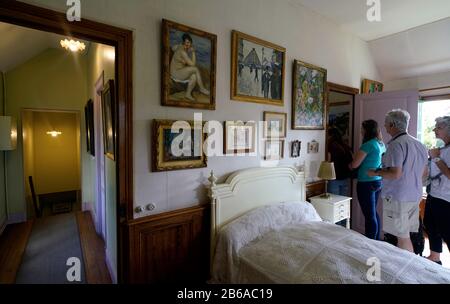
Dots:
pixel 177 146
pixel 275 125
pixel 239 137
pixel 296 146
pixel 109 121
pixel 371 86
pixel 257 70
pixel 274 149
pixel 309 96
pixel 188 67
pixel 89 123
pixel 313 147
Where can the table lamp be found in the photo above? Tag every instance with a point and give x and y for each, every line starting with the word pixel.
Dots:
pixel 326 172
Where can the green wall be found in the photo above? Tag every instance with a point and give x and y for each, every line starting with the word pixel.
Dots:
pixel 54 79
pixel 3 215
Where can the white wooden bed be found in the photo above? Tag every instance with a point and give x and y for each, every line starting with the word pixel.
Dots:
pixel 306 250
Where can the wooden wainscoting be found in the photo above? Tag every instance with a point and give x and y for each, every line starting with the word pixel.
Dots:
pixel 315 188
pixel 170 247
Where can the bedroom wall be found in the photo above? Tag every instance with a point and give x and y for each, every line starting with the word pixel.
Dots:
pixel 306 36
pixel 63 77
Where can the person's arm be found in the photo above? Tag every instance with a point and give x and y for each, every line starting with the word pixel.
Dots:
pixel 434 153
pixel 386 173
pixel 358 159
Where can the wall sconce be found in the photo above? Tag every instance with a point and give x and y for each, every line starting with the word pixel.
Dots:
pixel 8 133
pixel 54 133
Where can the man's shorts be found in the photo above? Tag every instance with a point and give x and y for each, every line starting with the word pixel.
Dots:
pixel 400 218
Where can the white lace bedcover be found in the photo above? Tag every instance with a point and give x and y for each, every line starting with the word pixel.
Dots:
pixel 287 243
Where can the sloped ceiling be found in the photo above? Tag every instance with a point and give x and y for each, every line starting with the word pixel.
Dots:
pixel 412 39
pixel 19 44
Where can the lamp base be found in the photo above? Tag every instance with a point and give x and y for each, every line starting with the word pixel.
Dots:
pixel 326 196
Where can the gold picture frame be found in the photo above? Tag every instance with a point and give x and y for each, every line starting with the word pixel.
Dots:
pixel 109 119
pixel 239 137
pixel 257 70
pixel 179 86
pixel 274 149
pixel 309 89
pixel 274 120
pixel 371 86
pixel 164 159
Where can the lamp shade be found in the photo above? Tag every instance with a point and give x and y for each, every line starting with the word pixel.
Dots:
pixel 8 133
pixel 326 171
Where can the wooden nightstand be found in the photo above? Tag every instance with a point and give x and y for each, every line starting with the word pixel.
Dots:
pixel 335 209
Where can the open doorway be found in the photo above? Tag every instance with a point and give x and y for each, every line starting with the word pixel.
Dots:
pixel 51 162
pixel 120 169
pixel 340 127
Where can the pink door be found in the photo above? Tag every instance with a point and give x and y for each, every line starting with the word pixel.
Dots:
pixel 375 106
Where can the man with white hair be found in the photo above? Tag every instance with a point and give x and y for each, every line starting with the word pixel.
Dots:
pixel 404 164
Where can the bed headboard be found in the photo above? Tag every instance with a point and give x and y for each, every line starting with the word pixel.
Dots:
pixel 247 189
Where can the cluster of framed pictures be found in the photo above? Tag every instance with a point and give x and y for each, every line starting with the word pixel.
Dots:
pixel 257 75
pixel 108 117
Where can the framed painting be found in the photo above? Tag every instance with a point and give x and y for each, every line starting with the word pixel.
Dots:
pixel 177 145
pixel 371 86
pixel 239 137
pixel 275 125
pixel 89 123
pixel 309 96
pixel 257 70
pixel 313 147
pixel 109 121
pixel 274 149
pixel 188 67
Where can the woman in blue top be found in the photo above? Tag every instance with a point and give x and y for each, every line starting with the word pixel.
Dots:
pixel 369 188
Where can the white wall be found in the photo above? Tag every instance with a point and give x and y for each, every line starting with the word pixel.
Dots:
pixel 306 35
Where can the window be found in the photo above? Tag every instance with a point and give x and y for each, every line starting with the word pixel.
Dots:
pixel 429 109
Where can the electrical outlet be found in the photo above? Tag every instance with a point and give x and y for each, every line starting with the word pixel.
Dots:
pixel 151 207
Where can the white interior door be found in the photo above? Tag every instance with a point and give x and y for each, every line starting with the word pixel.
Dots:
pixel 375 106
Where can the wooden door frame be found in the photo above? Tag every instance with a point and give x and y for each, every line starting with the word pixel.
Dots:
pixel 38 18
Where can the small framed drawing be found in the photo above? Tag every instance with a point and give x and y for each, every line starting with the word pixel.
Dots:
pixel 275 124
pixel 371 86
pixel 188 67
pixel 177 145
pixel 274 149
pixel 109 121
pixel 308 94
pixel 239 137
pixel 257 70
pixel 89 123
pixel 296 146
pixel 313 147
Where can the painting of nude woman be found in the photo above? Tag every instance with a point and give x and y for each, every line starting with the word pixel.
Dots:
pixel 189 67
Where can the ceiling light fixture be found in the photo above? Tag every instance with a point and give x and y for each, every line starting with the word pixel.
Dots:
pixel 54 133
pixel 72 45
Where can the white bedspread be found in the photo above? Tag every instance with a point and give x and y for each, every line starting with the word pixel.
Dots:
pixel 287 243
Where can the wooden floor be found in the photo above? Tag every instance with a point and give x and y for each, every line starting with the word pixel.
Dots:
pixel 93 251
pixel 13 242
